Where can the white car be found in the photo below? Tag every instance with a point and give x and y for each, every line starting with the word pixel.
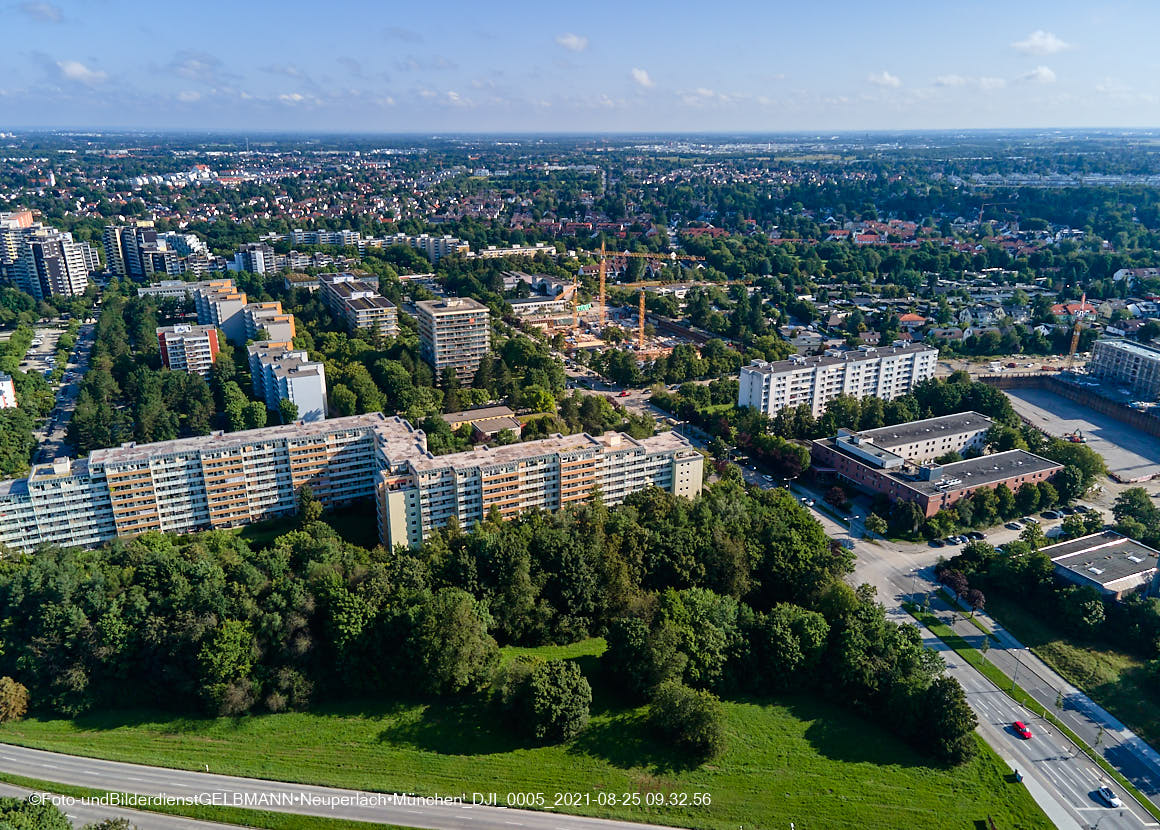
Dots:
pixel 1108 797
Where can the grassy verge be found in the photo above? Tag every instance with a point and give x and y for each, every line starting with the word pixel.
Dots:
pixel 225 815
pixel 593 647
pixel 1017 693
pixel 794 759
pixel 1118 681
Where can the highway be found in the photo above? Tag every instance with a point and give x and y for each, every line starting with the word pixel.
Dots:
pixel 301 799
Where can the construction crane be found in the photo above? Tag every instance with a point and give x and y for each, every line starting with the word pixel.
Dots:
pixel 640 334
pixel 1079 315
pixel 604 255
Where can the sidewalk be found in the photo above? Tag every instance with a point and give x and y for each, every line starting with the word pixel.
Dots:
pixel 1122 748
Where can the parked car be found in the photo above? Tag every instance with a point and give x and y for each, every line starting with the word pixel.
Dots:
pixel 623 394
pixel 1050 514
pixel 951 540
pixel 1029 520
pixel 1013 526
pixel 1067 511
pixel 937 543
pixel 1021 729
pixel 1107 796
pixel 976 536
pixel 1082 508
pixel 768 478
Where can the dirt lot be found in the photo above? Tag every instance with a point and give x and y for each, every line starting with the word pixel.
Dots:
pixel 1130 455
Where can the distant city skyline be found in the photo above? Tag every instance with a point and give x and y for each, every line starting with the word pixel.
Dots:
pixel 523 67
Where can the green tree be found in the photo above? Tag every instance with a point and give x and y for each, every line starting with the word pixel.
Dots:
pixel 309 507
pixel 950 723
pixel 548 699
pixel 692 719
pixel 255 414
pixel 13 700
pixel 452 649
pixel 287 411
pixel 225 661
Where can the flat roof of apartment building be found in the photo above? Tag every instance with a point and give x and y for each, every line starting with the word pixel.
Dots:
pixel 854 355
pixel 1138 349
pixel 1104 557
pixel 984 470
pixel 929 428
pixel 449 305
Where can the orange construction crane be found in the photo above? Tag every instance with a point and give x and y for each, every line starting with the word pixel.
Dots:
pixel 604 255
pixel 1079 315
pixel 640 334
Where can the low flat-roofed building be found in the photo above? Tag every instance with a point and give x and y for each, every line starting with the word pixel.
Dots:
pixel 7 392
pixel 486 422
pixel 1111 563
pixel 933 487
pixel 930 438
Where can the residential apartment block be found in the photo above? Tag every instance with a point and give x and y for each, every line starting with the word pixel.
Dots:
pixel 220 304
pixel 419 492
pixel 1125 363
pixel 141 252
pixel 898 462
pixel 278 372
pixel 179 289
pixel 870 371
pixel 435 247
pixel 358 304
pixel 188 348
pixel 454 332
pixel 278 324
pixel 44 261
pixel 227 480
pixel 7 392
pixel 255 257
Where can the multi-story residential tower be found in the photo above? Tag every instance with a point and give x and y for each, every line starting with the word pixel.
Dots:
pixel 358 304
pixel 279 372
pixel 255 257
pixel 454 332
pixel 188 348
pixel 1134 366
pixel 52 263
pixel 278 324
pixel 885 373
pixel 220 304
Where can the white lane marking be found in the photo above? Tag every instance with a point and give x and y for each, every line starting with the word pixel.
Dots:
pixel 131 778
pixel 50 766
pixel 516 823
pixel 90 772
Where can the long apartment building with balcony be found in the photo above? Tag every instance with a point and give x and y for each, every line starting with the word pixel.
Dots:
pixel 419 492
pixel 358 304
pixel 454 332
pixel 869 371
pixel 188 348
pixel 268 317
pixel 227 480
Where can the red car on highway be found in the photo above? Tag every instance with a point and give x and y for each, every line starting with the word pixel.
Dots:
pixel 1021 729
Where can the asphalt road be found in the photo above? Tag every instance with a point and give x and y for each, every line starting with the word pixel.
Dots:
pixel 81 814
pixel 53 443
pixel 280 797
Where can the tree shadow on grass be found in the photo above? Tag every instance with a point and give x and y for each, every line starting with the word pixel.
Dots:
pixel 455 727
pixel 853 738
pixel 625 741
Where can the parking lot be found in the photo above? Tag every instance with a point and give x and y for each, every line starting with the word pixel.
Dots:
pixel 37 359
pixel 1131 455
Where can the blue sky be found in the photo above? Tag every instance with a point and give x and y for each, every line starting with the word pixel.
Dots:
pixel 253 65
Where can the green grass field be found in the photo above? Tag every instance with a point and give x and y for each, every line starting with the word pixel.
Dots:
pixel 1114 679
pixel 796 759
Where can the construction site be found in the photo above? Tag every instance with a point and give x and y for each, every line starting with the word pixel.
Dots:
pixel 558 309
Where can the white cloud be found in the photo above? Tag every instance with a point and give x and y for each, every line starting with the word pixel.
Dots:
pixel 642 78
pixel 572 42
pixel 77 71
pixel 1040 75
pixel 884 78
pixel 1040 42
pixel 984 83
pixel 188 96
pixel 44 12
pixel 292 98
pixel 951 80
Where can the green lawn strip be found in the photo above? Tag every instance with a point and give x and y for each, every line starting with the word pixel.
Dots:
pixel 792 759
pixel 593 647
pixel 223 815
pixel 1017 693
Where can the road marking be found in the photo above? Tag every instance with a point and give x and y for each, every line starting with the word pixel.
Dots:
pixel 50 766
pixel 516 823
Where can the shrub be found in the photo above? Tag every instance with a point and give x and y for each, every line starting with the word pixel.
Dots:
pixel 546 699
pixel 691 718
pixel 13 700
